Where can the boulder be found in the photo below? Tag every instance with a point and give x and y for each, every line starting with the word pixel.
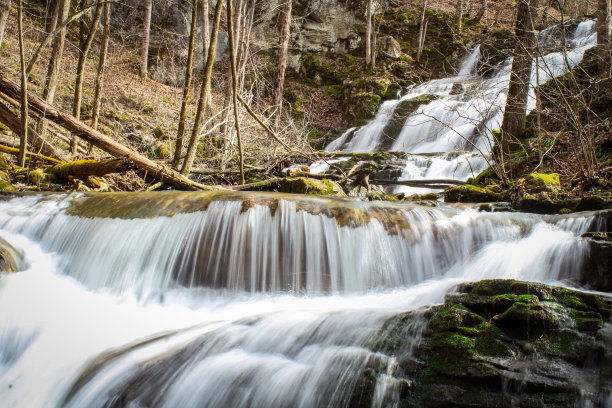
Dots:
pixel 304 185
pixel 389 47
pixel 470 194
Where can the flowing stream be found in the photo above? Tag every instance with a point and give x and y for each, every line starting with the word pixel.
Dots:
pixel 260 300
pixel 217 300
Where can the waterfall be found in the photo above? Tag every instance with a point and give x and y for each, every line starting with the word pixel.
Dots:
pixel 466 110
pixel 203 299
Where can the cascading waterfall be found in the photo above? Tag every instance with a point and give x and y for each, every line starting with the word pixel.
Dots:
pixel 263 300
pixel 238 300
pixel 463 114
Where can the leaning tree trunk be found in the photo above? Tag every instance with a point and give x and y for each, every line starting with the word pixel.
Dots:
pixel 459 16
pixel 80 74
pixel 603 38
pixel 483 11
pixel 178 150
pixel 97 101
pixel 281 59
pixel 513 125
pixel 146 35
pixel 5 10
pixel 368 39
pixel 24 92
pixel 204 91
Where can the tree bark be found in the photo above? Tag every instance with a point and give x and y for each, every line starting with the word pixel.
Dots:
pixel 105 143
pixel 205 90
pixel 24 92
pixel 459 16
pixel 52 21
pixel 80 74
pixel 178 150
pixel 603 38
pixel 422 31
pixel 483 12
pixel 5 10
pixel 34 140
pixel 56 55
pixel 513 125
pixel 368 42
pixel 235 87
pixel 97 101
pixel 281 58
pixel 146 33
pixel 82 169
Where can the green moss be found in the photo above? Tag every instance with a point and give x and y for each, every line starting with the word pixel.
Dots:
pixel 303 185
pixel 470 194
pixel 6 186
pixel 456 341
pixel 538 182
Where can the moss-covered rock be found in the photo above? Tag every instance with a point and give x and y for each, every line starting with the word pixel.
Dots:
pixel 362 107
pixel 303 185
pixel 498 343
pixel 6 186
pixel 539 182
pixel 470 194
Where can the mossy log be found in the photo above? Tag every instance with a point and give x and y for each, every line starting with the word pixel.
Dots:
pixel 13 151
pixel 78 128
pixel 82 169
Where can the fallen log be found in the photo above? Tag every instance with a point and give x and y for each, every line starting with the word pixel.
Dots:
pixel 15 152
pixel 34 139
pixel 78 128
pixel 433 183
pixel 82 169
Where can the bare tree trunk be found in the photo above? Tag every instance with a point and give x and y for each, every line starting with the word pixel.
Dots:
pixel 52 22
pixel 483 11
pixel 24 92
pixel 368 42
pixel 205 90
pixel 178 149
pixel 146 34
pixel 281 58
pixel 235 87
pixel 5 10
pixel 97 101
pixel 55 61
pixel 459 15
pixel 513 125
pixel 80 75
pixel 422 31
pixel 373 50
pixel 603 37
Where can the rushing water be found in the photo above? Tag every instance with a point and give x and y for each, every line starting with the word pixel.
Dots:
pixel 468 109
pixel 246 300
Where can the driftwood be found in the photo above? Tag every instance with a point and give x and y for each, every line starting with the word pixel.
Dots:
pixel 82 169
pixel 38 143
pixel 440 183
pixel 15 152
pixel 157 170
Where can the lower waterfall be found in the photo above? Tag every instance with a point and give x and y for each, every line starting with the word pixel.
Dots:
pixel 253 300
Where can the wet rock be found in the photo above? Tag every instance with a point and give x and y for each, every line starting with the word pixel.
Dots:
pixel 303 185
pixel 498 343
pixel 9 257
pixel 596 272
pixel 470 194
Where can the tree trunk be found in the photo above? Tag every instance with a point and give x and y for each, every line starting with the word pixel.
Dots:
pixel 422 31
pixel 5 10
pixel 24 92
pixel 483 12
pixel 178 150
pixel 105 143
pixel 235 86
pixel 281 58
pixel 56 55
pixel 459 16
pixel 513 125
pixel 34 140
pixel 97 101
pixel 146 33
pixel 368 42
pixel 80 74
pixel 52 21
pixel 205 90
pixel 82 169
pixel 603 38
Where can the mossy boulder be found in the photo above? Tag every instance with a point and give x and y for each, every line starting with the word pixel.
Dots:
pixel 470 194
pixel 304 185
pixel 6 186
pixel 362 107
pixel 539 182
pixel 498 343
pixel 9 257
